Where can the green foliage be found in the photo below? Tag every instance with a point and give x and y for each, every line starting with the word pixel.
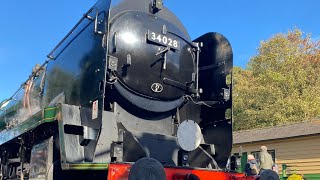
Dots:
pixel 280 85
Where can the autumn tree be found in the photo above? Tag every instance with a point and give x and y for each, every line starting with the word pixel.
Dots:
pixel 281 83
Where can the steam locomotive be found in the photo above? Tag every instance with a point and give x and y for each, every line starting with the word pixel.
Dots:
pixel 126 94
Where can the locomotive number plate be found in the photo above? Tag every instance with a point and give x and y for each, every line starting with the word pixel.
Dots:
pixel 163 40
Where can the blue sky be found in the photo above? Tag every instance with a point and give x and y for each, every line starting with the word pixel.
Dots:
pixel 29 30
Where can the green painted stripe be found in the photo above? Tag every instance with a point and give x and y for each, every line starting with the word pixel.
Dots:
pixel 88 166
pixel 49 112
pixel 44 116
pixel 50 108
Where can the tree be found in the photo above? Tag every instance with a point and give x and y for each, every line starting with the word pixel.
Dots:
pixel 281 83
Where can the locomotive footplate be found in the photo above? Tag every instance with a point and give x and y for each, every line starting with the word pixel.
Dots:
pixel 122 171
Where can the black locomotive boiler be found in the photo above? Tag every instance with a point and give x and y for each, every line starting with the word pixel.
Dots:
pixel 128 86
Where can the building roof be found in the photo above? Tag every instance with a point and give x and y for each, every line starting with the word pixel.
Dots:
pixel 277 132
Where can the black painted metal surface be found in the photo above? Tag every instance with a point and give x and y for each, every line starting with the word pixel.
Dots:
pixel 148 65
pixel 135 64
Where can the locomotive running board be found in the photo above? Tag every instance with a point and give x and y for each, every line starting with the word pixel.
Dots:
pixel 46 115
pixel 121 171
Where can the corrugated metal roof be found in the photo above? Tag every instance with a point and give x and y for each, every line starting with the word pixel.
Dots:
pixel 277 132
